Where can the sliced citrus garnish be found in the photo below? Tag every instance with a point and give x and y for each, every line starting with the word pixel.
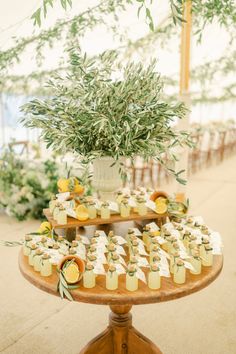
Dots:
pixel 72 273
pixel 161 208
pixel 82 213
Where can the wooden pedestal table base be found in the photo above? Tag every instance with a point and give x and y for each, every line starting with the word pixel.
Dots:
pixel 120 337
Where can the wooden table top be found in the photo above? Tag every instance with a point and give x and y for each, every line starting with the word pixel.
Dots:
pixel 144 295
pixel 116 218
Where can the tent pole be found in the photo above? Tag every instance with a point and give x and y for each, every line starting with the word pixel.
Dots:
pixel 184 93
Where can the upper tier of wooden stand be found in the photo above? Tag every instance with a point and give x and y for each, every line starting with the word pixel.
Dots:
pixel 72 223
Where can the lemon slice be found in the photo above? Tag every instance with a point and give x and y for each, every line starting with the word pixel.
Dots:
pixel 71 273
pixel 82 213
pixel 161 200
pixel 161 208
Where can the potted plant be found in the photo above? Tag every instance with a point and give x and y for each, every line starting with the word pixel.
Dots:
pixel 106 113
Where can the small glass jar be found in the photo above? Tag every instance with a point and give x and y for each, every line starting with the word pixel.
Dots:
pixel 128 236
pixel 119 197
pixel 196 262
pixel 151 236
pixel 173 260
pixel 43 242
pixel 56 210
pixel 146 231
pixel 179 272
pixel 62 244
pixel 166 245
pixel 186 237
pixel 46 266
pixel 37 260
pixel 92 211
pixel 154 279
pixel 110 235
pixel 124 208
pixel 196 225
pixel 105 211
pixel 181 231
pixel 154 242
pixel 114 258
pixel 205 242
pixel 61 217
pixel 26 246
pixel 91 257
pixel 141 206
pixel 172 240
pixel 52 204
pixel 89 277
pixel 207 261
pixel 205 230
pixel 133 243
pixel 33 249
pixel 72 251
pixel 154 258
pixel 131 278
pixel 189 222
pixel 134 252
pixel 112 278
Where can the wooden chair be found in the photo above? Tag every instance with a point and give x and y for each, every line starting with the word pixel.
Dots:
pixel 23 145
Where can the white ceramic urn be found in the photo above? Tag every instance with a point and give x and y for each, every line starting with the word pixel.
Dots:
pixel 106 178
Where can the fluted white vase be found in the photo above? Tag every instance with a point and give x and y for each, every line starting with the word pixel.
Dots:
pixel 106 178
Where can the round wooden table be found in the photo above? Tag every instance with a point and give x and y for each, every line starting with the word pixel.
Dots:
pixel 121 337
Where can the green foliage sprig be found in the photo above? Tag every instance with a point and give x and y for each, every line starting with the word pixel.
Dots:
pixel 63 287
pixel 71 30
pixel 93 114
pixel 36 17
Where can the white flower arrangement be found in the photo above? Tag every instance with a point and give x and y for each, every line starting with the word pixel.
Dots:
pixel 26 188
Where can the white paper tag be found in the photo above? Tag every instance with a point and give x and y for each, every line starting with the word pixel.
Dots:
pixel 142 250
pixel 70 212
pixel 168 226
pixel 164 253
pixel 151 205
pixel 132 203
pixel 137 232
pixel 85 240
pixel 142 262
pixel 119 268
pixel 120 240
pixel 188 266
pixel 113 206
pixel 164 272
pixel 101 233
pixel 120 250
pixel 161 240
pixel 101 247
pixel 153 226
pixel 99 269
pixel 61 197
pixel 101 258
pixel 140 275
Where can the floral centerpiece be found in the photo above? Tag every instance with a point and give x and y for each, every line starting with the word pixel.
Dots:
pixel 26 186
pixel 106 113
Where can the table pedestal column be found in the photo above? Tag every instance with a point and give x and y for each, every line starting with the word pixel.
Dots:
pixel 120 337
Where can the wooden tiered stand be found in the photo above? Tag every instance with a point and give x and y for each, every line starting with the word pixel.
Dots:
pixel 120 337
